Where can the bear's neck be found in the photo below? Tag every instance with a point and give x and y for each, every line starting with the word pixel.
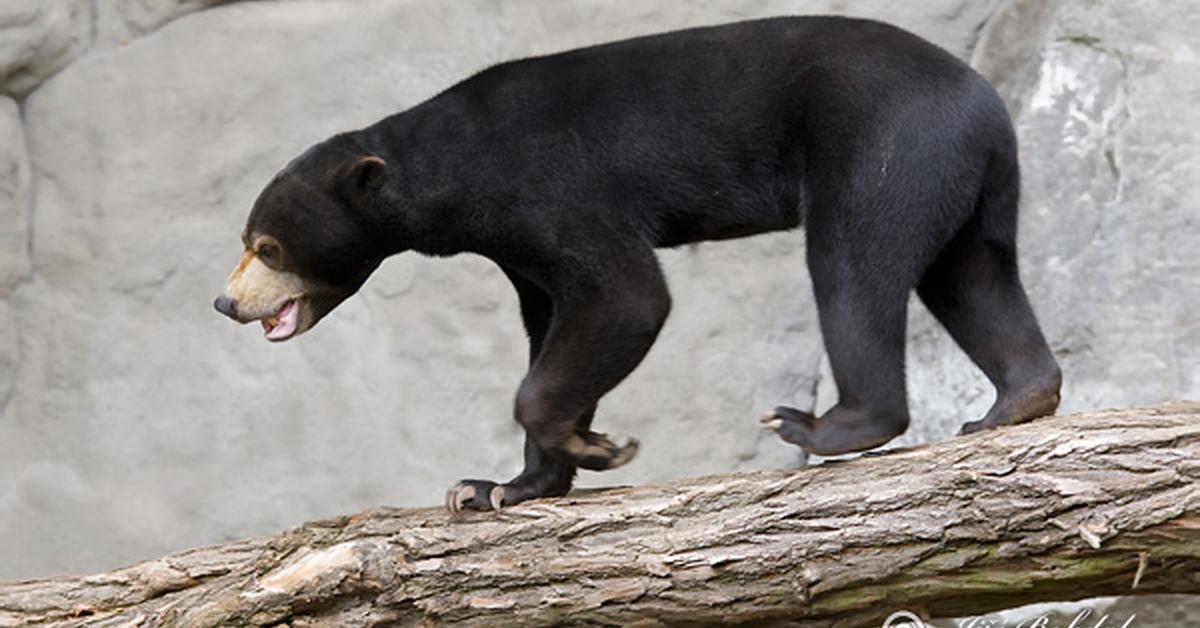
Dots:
pixel 440 190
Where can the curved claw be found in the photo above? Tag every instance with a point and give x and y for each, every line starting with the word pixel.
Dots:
pixel 496 498
pixel 593 451
pixel 458 496
pixel 792 425
pixel 625 453
pixel 771 421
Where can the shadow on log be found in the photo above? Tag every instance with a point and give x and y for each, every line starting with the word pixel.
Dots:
pixel 1064 508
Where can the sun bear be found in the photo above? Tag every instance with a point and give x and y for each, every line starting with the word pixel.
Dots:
pixel 568 170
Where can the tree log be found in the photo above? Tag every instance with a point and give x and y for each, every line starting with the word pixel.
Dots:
pixel 1063 508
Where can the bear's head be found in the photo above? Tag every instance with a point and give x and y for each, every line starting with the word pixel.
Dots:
pixel 312 238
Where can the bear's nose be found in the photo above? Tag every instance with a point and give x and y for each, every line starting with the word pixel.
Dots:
pixel 226 306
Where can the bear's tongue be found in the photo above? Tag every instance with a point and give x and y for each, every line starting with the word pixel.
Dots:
pixel 283 324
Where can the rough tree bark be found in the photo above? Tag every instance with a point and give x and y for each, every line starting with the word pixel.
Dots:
pixel 1060 509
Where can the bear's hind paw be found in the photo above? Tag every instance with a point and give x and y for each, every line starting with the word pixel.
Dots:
pixel 792 425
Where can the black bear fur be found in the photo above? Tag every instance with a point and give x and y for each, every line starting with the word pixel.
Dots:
pixel 568 170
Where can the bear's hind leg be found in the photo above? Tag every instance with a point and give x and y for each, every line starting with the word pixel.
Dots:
pixel 975 291
pixel 862 314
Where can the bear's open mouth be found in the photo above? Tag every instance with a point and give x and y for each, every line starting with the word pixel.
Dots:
pixel 284 323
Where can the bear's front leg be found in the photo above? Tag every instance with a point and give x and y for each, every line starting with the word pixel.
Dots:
pixel 584 340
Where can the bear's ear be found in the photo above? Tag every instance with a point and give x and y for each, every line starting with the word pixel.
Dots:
pixel 364 174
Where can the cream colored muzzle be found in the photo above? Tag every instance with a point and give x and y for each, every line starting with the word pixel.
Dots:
pixel 274 297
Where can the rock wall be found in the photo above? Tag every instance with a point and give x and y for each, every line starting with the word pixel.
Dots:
pixel 135 420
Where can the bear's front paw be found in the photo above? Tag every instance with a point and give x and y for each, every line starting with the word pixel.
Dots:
pixel 486 495
pixel 474 495
pixel 595 452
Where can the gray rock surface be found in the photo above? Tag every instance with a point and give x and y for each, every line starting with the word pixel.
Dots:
pixel 139 421
pixel 40 37
pixel 14 198
pixel 14 231
pixel 1103 104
